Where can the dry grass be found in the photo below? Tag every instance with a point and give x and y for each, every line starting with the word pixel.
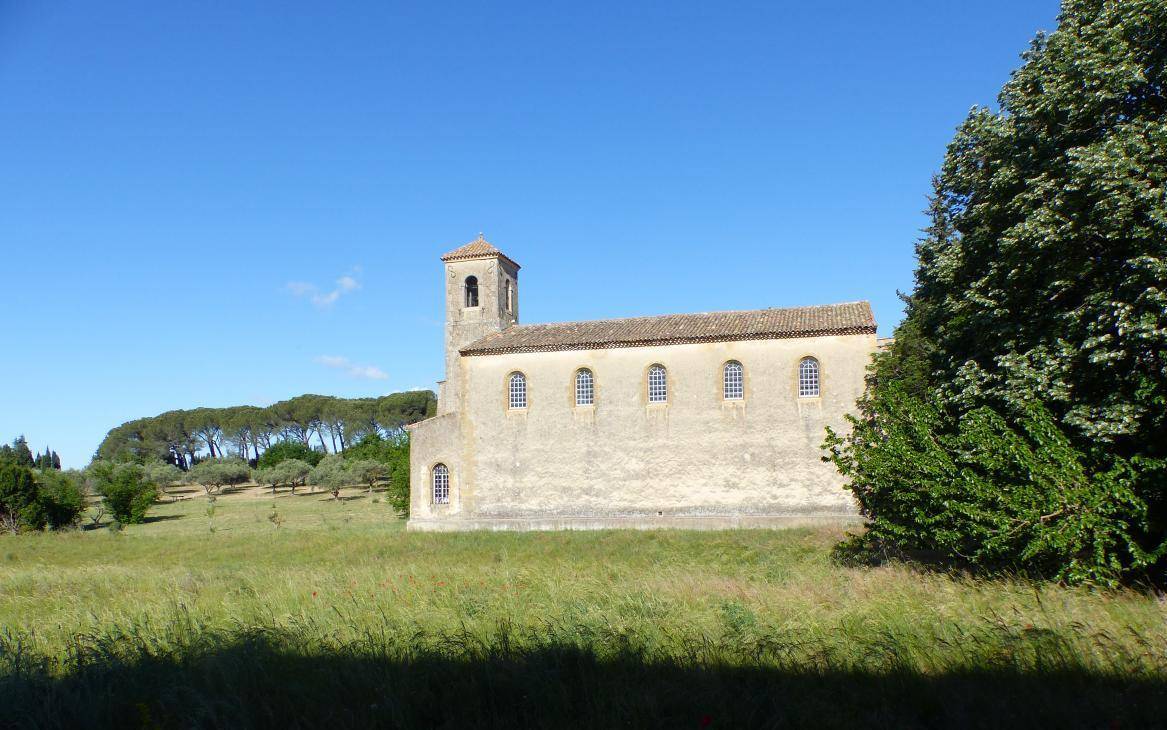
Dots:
pixel 236 614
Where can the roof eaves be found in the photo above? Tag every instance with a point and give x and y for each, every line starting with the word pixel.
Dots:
pixel 473 351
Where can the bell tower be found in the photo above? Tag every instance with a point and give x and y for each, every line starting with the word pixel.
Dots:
pixel 482 297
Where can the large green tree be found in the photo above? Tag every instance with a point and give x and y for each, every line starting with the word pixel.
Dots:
pixel 1042 279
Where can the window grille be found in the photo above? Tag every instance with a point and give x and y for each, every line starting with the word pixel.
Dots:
pixel 585 390
pixel 472 291
pixel 658 389
pixel 441 484
pixel 518 391
pixel 734 385
pixel 808 378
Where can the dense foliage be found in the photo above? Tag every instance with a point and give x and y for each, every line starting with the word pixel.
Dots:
pixel 393 453
pixel 20 506
pixel 284 450
pixel 18 453
pixel 61 496
pixel 991 492
pixel 32 498
pixel 1020 418
pixel 329 424
pixel 125 488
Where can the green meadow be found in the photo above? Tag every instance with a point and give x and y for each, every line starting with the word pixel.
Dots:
pixel 301 611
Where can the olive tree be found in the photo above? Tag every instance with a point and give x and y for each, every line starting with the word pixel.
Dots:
pixel 368 472
pixel 214 474
pixel 331 473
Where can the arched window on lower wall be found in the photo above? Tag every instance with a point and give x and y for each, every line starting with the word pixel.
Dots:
pixel 441 484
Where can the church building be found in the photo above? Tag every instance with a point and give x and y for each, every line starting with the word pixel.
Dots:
pixel 709 420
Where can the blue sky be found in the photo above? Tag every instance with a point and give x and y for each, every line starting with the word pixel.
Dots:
pixel 235 202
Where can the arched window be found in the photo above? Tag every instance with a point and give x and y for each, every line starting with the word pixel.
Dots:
pixel 733 382
pixel 658 386
pixel 518 390
pixel 510 297
pixel 471 291
pixel 441 484
pixel 585 388
pixel 808 378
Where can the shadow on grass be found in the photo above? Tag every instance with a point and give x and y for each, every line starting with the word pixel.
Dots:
pixel 151 519
pixel 253 683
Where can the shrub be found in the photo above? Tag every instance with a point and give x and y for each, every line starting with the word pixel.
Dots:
pixel 126 490
pixel 20 504
pixel 398 493
pixel 284 450
pixel 978 490
pixel 61 497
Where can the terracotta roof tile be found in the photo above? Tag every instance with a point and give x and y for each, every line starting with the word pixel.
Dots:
pixel 851 318
pixel 479 248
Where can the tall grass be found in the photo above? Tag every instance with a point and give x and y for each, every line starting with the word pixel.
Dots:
pixel 339 618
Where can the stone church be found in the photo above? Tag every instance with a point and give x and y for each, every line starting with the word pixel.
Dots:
pixel 687 420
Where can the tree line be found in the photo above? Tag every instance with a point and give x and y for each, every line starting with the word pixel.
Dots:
pixel 19 453
pixel 1019 419
pixel 322 423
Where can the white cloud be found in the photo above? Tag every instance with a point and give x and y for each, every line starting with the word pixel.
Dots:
pixel 364 372
pixel 369 372
pixel 344 285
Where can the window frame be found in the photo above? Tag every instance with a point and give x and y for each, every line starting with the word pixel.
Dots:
pixel 517 398
pixel 657 393
pixel 469 289
pixel 734 391
pixel 590 389
pixel 440 484
pixel 809 382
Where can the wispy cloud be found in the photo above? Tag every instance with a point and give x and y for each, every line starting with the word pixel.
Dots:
pixel 365 372
pixel 346 284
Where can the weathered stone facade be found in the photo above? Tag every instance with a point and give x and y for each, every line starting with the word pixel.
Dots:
pixel 697 459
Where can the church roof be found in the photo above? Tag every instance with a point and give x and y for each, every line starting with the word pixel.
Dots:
pixel 850 318
pixel 479 248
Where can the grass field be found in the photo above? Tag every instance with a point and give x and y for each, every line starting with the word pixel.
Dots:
pixel 340 618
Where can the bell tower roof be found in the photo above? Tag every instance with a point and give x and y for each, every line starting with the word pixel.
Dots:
pixel 479 248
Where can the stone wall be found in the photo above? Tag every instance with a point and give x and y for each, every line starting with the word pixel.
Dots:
pixel 697 460
pixel 469 324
